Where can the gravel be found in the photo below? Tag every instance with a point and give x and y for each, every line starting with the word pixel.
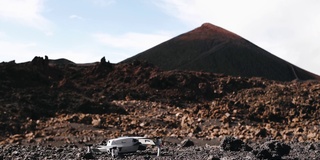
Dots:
pixel 269 150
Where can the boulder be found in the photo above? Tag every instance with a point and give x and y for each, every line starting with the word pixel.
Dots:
pixel 88 156
pixel 272 150
pixel 187 143
pixel 233 144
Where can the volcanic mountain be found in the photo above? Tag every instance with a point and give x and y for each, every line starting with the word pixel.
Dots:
pixel 210 48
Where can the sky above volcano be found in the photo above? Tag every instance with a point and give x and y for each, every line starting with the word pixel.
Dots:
pixel 86 30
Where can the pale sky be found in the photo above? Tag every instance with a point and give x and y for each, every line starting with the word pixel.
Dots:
pixel 86 30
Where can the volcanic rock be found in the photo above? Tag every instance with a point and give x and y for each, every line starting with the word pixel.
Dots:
pixel 211 157
pixel 234 144
pixel 186 143
pixel 88 156
pixel 60 62
pixel 40 62
pixel 272 150
pixel 210 48
pixel 73 104
pixel 102 68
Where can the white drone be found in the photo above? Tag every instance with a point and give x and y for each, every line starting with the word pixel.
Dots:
pixel 125 145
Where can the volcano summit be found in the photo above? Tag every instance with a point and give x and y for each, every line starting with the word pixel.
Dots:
pixel 211 48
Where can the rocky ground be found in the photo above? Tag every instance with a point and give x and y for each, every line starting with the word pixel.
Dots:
pixel 230 148
pixel 45 105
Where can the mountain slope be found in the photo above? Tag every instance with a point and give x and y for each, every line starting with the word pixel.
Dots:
pixel 213 49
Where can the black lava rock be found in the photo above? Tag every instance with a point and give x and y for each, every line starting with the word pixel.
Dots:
pixel 272 150
pixel 88 156
pixel 187 143
pixel 234 144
